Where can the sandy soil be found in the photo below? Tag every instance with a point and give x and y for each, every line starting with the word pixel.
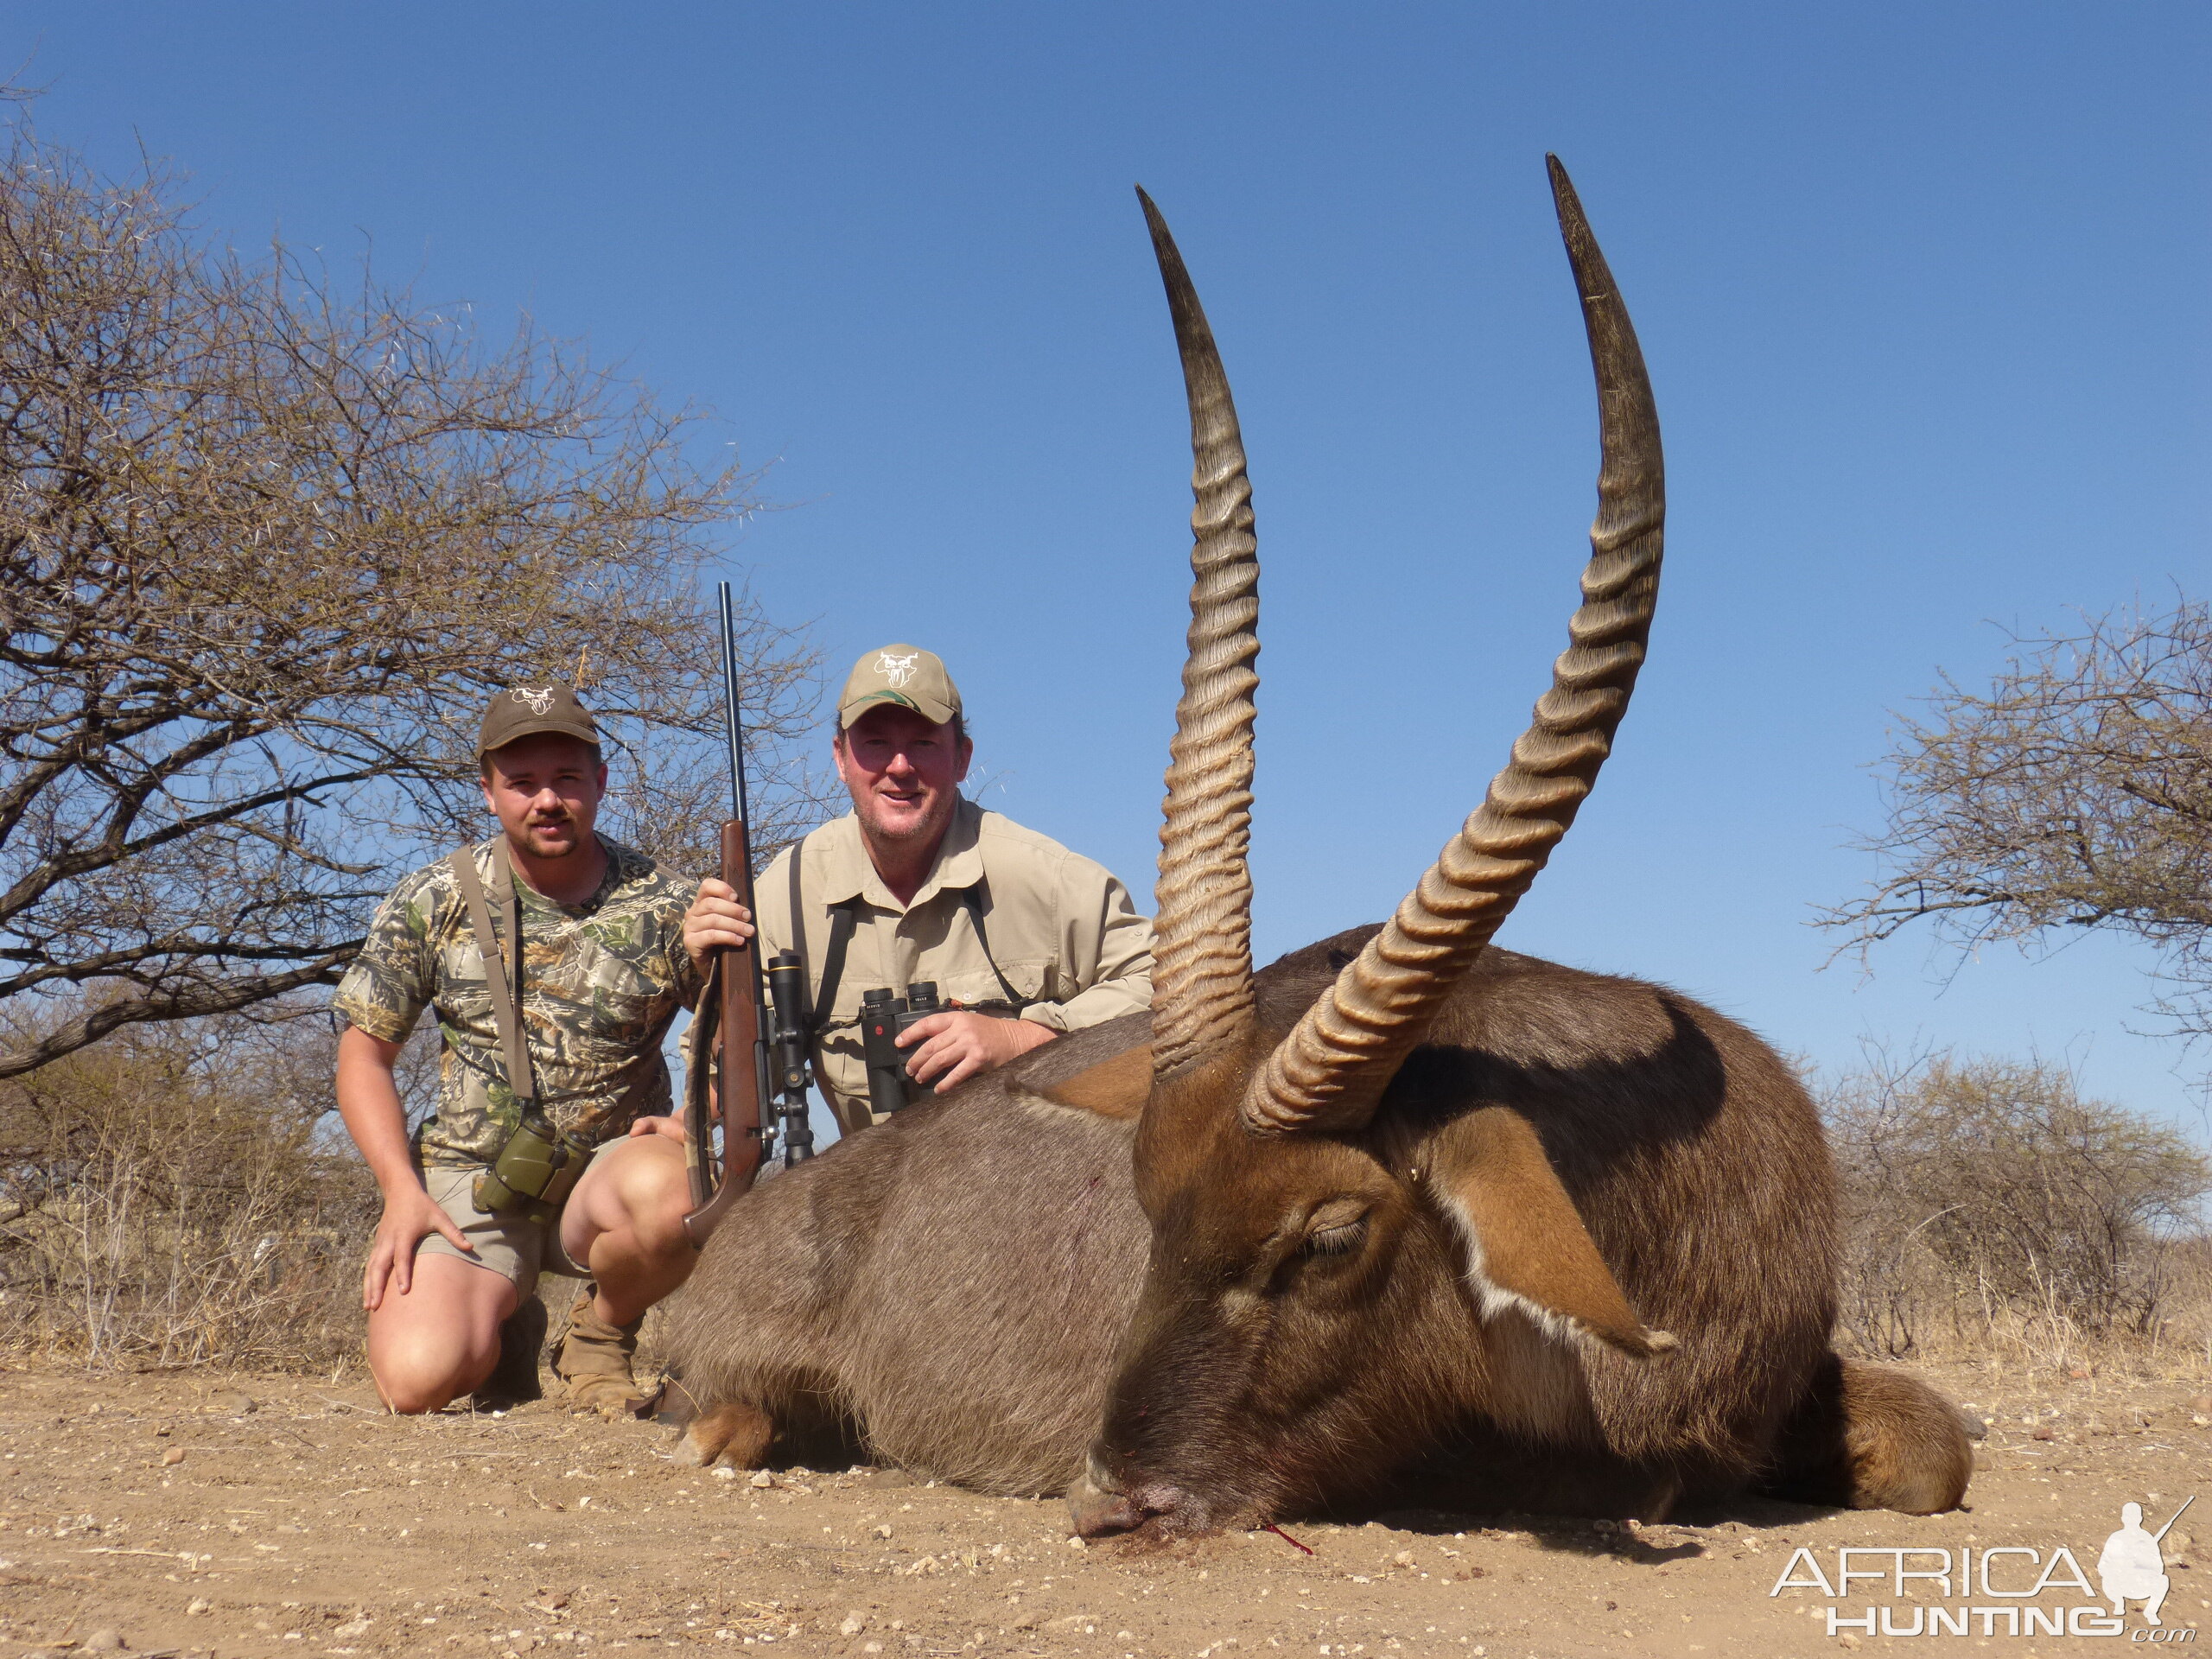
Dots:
pixel 273 1516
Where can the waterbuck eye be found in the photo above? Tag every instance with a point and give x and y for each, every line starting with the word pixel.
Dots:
pixel 1336 1241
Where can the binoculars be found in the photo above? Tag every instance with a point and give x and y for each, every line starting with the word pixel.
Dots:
pixel 884 1015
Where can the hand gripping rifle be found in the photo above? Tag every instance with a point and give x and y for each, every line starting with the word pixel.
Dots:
pixel 729 1021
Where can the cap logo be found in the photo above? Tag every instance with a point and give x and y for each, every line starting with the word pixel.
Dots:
pixel 540 698
pixel 896 670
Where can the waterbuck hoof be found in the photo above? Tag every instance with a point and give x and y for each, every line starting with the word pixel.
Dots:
pixel 673 1406
pixel 736 1433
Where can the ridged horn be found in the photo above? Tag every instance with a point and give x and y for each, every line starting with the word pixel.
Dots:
pixel 1202 936
pixel 1332 1068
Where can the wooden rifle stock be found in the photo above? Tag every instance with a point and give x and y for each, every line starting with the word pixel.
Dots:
pixel 748 1124
pixel 731 1003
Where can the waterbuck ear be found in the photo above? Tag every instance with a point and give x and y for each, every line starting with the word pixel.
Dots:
pixel 1113 1088
pixel 1527 1247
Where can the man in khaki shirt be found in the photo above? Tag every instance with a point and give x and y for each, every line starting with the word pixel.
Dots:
pixel 1005 921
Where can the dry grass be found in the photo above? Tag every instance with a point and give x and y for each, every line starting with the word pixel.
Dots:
pixel 1995 1216
pixel 174 1197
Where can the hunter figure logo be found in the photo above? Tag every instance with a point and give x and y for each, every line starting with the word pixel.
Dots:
pixel 540 698
pixel 896 670
pixel 1993 1590
pixel 2133 1568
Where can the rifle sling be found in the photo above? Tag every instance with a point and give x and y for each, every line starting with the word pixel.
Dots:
pixel 522 1080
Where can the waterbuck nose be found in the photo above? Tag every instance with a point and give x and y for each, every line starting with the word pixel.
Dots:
pixel 1099 1505
pixel 1097 1511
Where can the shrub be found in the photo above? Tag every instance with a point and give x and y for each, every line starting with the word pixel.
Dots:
pixel 1986 1193
pixel 175 1197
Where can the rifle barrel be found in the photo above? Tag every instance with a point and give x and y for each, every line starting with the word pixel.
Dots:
pixel 733 720
pixel 2160 1535
pixel 736 727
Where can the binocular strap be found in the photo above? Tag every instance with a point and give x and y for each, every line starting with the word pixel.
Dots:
pixel 833 959
pixel 841 923
pixel 973 899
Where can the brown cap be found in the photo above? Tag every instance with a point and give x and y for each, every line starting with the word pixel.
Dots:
pixel 905 676
pixel 526 710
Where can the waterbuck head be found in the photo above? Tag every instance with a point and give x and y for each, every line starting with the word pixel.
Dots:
pixel 1343 1257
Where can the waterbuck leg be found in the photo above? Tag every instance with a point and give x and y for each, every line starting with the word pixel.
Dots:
pixel 1908 1446
pixel 1495 1470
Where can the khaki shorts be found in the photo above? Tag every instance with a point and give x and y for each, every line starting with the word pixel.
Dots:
pixel 516 1249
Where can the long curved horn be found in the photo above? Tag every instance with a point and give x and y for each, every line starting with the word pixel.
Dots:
pixel 1202 938
pixel 1332 1068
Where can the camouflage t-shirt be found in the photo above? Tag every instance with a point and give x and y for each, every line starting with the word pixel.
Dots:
pixel 600 983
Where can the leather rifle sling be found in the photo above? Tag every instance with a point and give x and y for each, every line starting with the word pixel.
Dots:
pixel 522 1080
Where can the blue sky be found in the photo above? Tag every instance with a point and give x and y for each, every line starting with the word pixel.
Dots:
pixel 1922 290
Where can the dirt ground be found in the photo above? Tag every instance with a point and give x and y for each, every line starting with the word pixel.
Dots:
pixel 276 1515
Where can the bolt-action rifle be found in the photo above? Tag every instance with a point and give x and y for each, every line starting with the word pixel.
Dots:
pixel 730 1056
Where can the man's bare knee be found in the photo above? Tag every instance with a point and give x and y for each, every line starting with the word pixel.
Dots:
pixel 646 1197
pixel 442 1339
pixel 657 1201
pixel 415 1397
pixel 414 1381
pixel 663 1240
pixel 649 1238
pixel 654 1177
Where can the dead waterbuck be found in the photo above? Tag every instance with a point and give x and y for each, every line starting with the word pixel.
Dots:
pixel 1402 1219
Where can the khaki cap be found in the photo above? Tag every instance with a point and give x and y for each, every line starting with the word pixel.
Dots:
pixel 526 710
pixel 905 676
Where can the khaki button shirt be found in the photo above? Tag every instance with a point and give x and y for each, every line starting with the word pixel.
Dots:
pixel 1060 927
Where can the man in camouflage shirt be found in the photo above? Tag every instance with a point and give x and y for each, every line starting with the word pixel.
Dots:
pixel 604 973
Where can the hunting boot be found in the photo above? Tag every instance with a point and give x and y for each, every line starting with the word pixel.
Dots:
pixel 594 1359
pixel 514 1380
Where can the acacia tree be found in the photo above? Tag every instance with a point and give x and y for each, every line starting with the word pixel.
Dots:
pixel 266 549
pixel 2075 793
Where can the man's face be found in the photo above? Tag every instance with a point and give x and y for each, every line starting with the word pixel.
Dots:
pixel 546 790
pixel 903 772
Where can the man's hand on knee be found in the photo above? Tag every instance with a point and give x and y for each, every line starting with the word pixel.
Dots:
pixel 950 1048
pixel 409 1216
